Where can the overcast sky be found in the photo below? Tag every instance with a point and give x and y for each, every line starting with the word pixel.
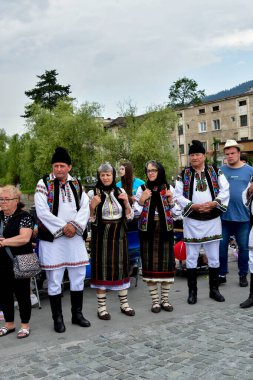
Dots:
pixel 110 51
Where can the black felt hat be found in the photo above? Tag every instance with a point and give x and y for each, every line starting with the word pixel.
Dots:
pixel 61 155
pixel 196 147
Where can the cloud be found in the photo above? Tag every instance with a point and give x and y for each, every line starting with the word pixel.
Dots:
pixel 238 39
pixel 114 49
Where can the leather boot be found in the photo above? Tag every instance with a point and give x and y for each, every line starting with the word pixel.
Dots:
pixel 192 285
pixel 55 302
pixel 76 309
pixel 214 285
pixel 249 301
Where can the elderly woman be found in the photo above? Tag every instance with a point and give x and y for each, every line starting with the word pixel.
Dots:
pixel 154 202
pixel 109 209
pixel 17 228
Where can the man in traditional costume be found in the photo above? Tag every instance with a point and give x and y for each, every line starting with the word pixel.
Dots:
pixel 203 193
pixel 63 212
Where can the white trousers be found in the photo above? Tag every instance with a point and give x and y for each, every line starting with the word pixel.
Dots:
pixel 251 260
pixel 76 278
pixel 211 250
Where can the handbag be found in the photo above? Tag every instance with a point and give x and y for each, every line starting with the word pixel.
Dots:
pixel 24 266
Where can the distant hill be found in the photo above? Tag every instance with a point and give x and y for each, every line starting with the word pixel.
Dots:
pixel 240 89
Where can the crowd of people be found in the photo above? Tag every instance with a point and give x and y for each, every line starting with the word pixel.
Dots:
pixel 213 203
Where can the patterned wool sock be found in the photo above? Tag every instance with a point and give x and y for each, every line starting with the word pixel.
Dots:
pixel 165 288
pixel 122 294
pixel 153 290
pixel 102 304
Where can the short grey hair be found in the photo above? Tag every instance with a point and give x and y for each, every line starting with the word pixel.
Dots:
pixel 105 167
pixel 14 191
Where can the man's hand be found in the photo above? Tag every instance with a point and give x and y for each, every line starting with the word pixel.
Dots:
pixel 69 230
pixel 204 207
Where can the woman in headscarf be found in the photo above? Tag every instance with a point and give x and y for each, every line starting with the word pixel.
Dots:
pixel 154 201
pixel 109 209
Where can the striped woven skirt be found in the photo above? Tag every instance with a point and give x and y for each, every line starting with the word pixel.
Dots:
pixel 109 256
pixel 157 254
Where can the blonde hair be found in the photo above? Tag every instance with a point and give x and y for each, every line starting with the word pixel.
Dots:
pixel 15 192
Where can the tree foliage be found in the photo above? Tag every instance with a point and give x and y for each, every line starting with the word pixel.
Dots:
pixel 47 92
pixel 184 92
pixel 143 138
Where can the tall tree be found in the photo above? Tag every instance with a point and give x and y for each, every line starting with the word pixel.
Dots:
pixel 142 138
pixel 184 92
pixel 47 92
pixel 76 129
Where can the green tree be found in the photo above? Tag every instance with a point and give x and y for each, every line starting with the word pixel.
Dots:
pixel 184 92
pixel 142 138
pixel 4 139
pixel 47 92
pixel 76 128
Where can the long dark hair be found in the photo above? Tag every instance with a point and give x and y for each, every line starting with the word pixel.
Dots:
pixel 127 179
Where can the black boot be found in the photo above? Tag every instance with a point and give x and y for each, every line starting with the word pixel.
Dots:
pixel 55 302
pixel 192 285
pixel 214 285
pixel 76 309
pixel 249 301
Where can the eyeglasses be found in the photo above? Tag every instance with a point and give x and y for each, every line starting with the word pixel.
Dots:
pixel 5 200
pixel 152 171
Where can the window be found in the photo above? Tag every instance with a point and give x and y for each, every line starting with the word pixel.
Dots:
pixel 180 115
pixel 233 119
pixel 244 138
pixel 202 110
pixel 202 126
pixel 242 103
pixel 181 149
pixel 180 130
pixel 243 120
pixel 188 126
pixel 204 143
pixel 216 108
pixel 216 125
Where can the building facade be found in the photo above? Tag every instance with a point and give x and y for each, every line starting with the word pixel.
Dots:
pixel 213 123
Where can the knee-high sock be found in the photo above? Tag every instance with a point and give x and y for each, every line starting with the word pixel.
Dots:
pixel 122 294
pixel 102 303
pixel 153 290
pixel 165 288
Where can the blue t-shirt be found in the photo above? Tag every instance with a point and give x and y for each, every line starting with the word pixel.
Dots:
pixel 238 179
pixel 136 183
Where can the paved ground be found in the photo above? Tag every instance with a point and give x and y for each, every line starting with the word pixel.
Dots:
pixel 208 340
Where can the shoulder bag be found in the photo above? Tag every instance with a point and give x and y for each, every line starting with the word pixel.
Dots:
pixel 24 266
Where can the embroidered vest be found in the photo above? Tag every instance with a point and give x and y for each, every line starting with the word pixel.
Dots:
pixel 53 188
pixel 143 220
pixel 212 180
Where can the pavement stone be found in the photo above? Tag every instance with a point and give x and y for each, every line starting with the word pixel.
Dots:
pixel 208 340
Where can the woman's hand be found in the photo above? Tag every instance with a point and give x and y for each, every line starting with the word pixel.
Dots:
pixel 95 202
pixel 169 195
pixel 124 197
pixel 145 195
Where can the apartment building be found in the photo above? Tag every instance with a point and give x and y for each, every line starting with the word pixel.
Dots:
pixel 213 123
